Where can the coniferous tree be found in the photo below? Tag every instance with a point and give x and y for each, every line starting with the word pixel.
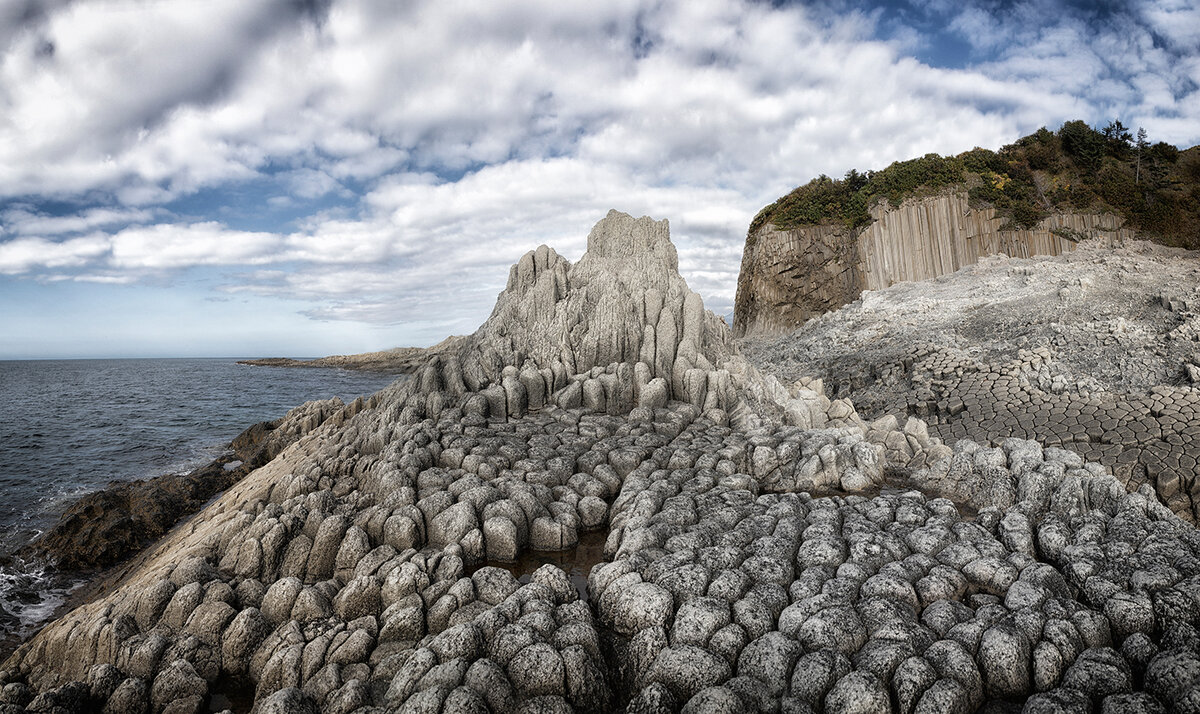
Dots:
pixel 1142 144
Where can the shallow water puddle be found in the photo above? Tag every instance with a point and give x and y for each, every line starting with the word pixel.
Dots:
pixel 577 562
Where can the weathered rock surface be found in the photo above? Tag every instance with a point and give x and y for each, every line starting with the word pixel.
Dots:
pixel 759 556
pixel 1087 351
pixel 789 276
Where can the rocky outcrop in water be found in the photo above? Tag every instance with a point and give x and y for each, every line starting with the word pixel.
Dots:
pixel 789 276
pixel 763 549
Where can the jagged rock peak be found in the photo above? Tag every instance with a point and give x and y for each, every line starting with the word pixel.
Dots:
pixel 617 329
pixel 620 235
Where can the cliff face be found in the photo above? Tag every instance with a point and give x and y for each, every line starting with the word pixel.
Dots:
pixel 789 276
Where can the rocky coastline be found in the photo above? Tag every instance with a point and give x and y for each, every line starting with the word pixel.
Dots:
pixel 765 547
pixel 399 360
pixel 102 528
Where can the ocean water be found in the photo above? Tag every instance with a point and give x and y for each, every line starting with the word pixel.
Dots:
pixel 69 427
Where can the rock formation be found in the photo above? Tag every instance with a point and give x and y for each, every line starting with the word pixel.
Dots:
pixel 399 360
pixel 1089 351
pixel 759 554
pixel 789 276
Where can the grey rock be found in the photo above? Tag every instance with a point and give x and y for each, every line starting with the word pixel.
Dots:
pixel 461 641
pixel 1136 703
pixel 815 674
pixel 697 620
pixel 286 701
pixel 687 669
pixel 351 697
pixel 770 659
pixel 1058 701
pixel 452 524
pixel 280 597
pixel 243 635
pixel 102 681
pixel 1004 658
pixel 493 585
pixel 537 670
pixel 715 700
pixel 130 697
pixel 637 607
pixel 1171 675
pixel 487 678
pixel 176 681
pixel 362 596
pixel 586 688
pixel 946 696
pixel 1129 613
pixel 858 692
pixel 911 679
pixel 1098 673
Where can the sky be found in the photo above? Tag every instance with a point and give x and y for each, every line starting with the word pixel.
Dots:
pixel 310 177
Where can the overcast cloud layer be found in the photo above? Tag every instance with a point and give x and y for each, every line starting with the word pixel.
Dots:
pixel 380 165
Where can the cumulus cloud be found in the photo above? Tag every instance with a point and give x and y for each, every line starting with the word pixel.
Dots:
pixel 23 221
pixel 451 137
pixel 21 255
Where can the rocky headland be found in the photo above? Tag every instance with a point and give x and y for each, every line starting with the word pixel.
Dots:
pixel 824 243
pixel 766 548
pixel 398 360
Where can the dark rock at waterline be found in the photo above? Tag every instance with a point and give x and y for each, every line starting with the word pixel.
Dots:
pixel 102 528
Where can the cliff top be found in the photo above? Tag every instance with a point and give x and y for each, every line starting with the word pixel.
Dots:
pixel 1154 187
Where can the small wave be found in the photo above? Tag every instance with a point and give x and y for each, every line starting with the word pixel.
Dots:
pixel 30 593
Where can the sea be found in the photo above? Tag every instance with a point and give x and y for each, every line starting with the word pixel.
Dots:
pixel 69 427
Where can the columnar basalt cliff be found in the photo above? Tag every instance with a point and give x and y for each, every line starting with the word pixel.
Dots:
pixel 789 276
pixel 761 551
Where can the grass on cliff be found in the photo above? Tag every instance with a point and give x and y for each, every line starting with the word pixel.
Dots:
pixel 1154 187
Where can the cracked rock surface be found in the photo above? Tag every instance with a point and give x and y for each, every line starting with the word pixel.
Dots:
pixel 766 548
pixel 1096 351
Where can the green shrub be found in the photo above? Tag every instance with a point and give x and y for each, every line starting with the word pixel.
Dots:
pixel 1076 169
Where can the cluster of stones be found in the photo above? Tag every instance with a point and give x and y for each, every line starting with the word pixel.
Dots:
pixel 1106 365
pixel 346 578
pixel 354 573
pixel 1079 597
pixel 1151 438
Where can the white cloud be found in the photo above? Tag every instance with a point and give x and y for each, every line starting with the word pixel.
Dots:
pixel 22 255
pixel 22 221
pixel 470 133
pixel 170 246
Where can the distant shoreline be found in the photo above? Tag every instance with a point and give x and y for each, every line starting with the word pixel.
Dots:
pixel 399 360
